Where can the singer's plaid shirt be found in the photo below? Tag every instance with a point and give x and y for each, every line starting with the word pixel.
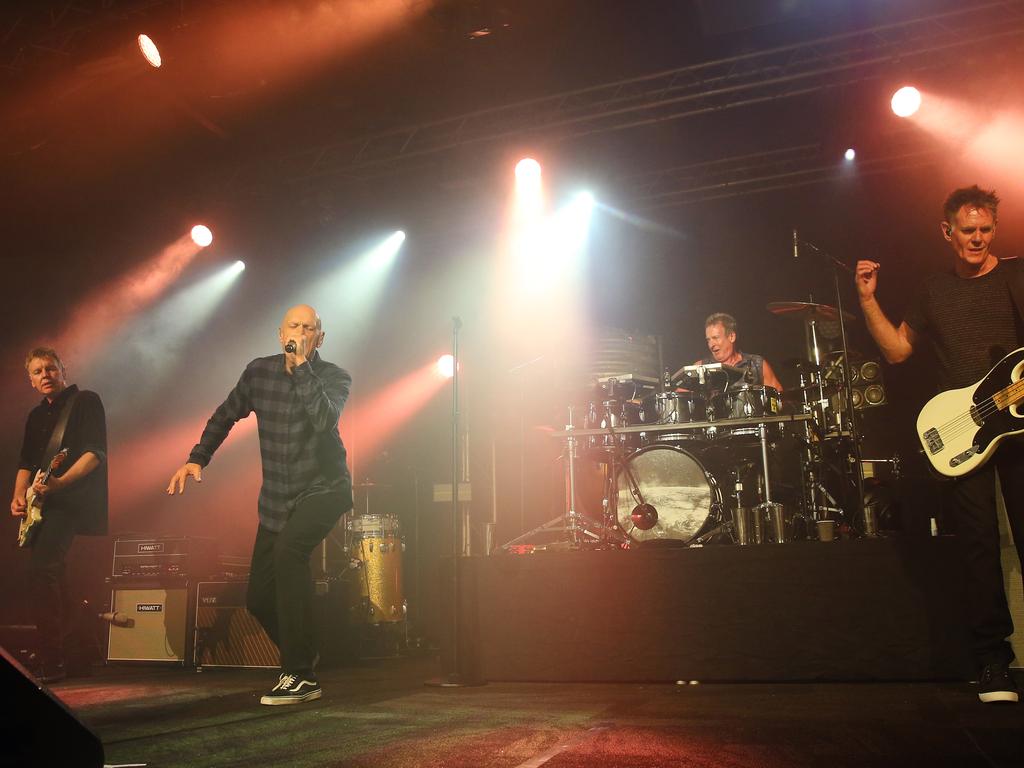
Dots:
pixel 297 417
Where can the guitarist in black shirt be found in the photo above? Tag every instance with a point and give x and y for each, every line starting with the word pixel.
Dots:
pixel 971 316
pixel 73 497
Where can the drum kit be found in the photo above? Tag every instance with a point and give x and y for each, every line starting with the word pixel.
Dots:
pixel 706 454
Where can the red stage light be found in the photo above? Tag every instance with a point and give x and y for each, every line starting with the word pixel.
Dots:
pixel 372 422
pixel 906 101
pixel 149 51
pixel 201 235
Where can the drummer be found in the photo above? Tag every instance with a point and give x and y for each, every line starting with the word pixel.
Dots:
pixel 720 335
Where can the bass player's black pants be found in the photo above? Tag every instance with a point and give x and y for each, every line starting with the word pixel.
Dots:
pixel 48 588
pixel 976 525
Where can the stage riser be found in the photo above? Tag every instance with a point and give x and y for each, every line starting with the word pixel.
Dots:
pixel 859 610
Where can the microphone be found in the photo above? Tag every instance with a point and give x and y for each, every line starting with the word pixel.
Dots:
pixel 644 516
pixel 117 618
pixel 796 246
pixel 290 347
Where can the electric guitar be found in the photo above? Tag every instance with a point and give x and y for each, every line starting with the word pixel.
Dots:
pixel 961 428
pixel 34 510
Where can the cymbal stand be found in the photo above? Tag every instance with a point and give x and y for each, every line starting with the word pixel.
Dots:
pixel 847 391
pixel 818 503
pixel 814 354
pixel 771 510
pixel 581 529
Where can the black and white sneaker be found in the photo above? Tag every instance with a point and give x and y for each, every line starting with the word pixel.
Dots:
pixel 292 689
pixel 996 685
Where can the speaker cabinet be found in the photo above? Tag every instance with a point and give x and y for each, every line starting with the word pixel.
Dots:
pixel 159 629
pixel 226 634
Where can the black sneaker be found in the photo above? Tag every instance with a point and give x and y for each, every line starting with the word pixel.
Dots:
pixel 996 685
pixel 292 689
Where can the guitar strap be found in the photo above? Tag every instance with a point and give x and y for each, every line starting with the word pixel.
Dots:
pixel 57 436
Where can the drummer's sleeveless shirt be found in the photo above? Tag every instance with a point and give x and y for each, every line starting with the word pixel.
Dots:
pixel 753 362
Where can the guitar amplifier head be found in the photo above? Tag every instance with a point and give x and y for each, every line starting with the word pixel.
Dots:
pixel 165 556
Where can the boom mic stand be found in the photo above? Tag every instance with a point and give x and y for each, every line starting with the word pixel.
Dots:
pixel 836 265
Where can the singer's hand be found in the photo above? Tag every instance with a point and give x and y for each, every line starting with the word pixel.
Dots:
pixel 298 357
pixel 186 471
pixel 866 278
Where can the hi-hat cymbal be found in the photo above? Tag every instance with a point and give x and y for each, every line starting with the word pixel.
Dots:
pixel 804 310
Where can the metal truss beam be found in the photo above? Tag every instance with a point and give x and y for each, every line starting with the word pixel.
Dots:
pixel 832 62
pixel 784 168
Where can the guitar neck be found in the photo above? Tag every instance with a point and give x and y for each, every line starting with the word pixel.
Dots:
pixel 1010 395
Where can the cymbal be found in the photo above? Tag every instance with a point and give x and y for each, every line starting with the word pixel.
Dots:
pixel 371 484
pixel 804 310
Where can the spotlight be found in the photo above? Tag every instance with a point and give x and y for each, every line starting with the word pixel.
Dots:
pixel 585 200
pixel 238 266
pixel 384 254
pixel 446 366
pixel 527 171
pixel 149 51
pixel 906 101
pixel 201 235
pixel 850 154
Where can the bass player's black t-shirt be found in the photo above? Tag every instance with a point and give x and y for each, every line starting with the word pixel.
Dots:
pixel 971 322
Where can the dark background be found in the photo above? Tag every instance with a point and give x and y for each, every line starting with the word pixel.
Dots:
pixel 250 127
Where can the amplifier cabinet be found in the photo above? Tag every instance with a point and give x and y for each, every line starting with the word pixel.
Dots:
pixel 158 619
pixel 226 634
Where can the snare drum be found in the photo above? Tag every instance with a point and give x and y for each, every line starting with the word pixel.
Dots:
pixel 375 542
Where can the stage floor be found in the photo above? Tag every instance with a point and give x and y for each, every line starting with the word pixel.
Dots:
pixel 381 714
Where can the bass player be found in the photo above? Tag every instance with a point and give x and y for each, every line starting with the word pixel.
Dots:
pixel 971 316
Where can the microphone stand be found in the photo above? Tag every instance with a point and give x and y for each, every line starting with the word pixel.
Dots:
pixel 455 678
pixel 837 266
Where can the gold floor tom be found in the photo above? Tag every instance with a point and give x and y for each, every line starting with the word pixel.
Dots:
pixel 375 542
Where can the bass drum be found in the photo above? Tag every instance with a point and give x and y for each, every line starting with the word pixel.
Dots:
pixel 677 485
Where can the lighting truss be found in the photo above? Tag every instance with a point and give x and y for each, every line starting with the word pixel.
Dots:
pixel 836 61
pixel 783 168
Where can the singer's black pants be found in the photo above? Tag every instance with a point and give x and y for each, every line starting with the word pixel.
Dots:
pixel 280 583
pixel 973 508
pixel 48 589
